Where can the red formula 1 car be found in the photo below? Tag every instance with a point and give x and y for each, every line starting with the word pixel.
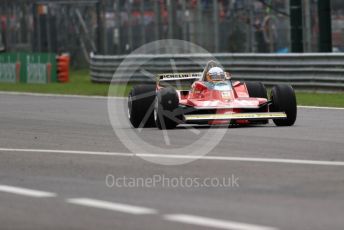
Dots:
pixel 213 98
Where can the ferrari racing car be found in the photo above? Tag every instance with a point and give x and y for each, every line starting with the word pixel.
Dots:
pixel 213 98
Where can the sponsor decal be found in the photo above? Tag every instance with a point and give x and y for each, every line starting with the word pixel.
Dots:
pixel 7 72
pixel 247 102
pixel 37 73
pixel 226 95
pixel 177 76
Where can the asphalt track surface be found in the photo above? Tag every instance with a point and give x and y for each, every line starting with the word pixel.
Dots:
pixel 67 190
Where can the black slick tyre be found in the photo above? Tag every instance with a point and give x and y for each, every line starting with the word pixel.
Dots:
pixel 256 89
pixel 284 100
pixel 141 105
pixel 166 104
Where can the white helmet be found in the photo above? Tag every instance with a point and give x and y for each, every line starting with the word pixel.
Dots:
pixel 216 74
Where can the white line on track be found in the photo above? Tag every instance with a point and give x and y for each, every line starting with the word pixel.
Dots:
pixel 247 159
pixel 213 223
pixel 105 97
pixel 57 95
pixel 26 192
pixel 136 210
pixel 67 152
pixel 319 107
pixel 177 156
pixel 182 218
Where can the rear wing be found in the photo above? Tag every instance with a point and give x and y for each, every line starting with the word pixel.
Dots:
pixel 178 79
pixel 178 76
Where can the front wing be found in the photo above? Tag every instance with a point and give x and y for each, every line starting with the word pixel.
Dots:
pixel 235 116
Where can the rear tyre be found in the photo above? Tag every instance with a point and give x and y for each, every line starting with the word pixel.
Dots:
pixel 284 100
pixel 166 104
pixel 140 106
pixel 257 89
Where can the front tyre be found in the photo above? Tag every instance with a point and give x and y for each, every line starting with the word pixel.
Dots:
pixel 284 100
pixel 140 106
pixel 166 104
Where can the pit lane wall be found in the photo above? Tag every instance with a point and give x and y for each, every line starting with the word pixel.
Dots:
pixel 309 70
pixel 38 68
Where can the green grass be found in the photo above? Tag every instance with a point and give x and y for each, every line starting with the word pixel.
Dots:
pixel 80 84
pixel 320 99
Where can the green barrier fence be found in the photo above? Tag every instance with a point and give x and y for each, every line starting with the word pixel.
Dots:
pixel 28 68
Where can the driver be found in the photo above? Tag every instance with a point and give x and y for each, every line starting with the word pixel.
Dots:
pixel 216 78
pixel 215 74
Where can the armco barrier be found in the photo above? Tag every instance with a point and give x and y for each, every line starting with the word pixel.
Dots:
pixel 319 71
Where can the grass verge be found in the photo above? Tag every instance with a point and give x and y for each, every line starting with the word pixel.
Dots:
pixel 80 84
pixel 320 99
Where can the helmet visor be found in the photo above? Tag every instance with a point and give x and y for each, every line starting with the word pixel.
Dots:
pixel 217 76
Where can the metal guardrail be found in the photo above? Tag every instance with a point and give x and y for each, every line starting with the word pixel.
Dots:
pixel 319 71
